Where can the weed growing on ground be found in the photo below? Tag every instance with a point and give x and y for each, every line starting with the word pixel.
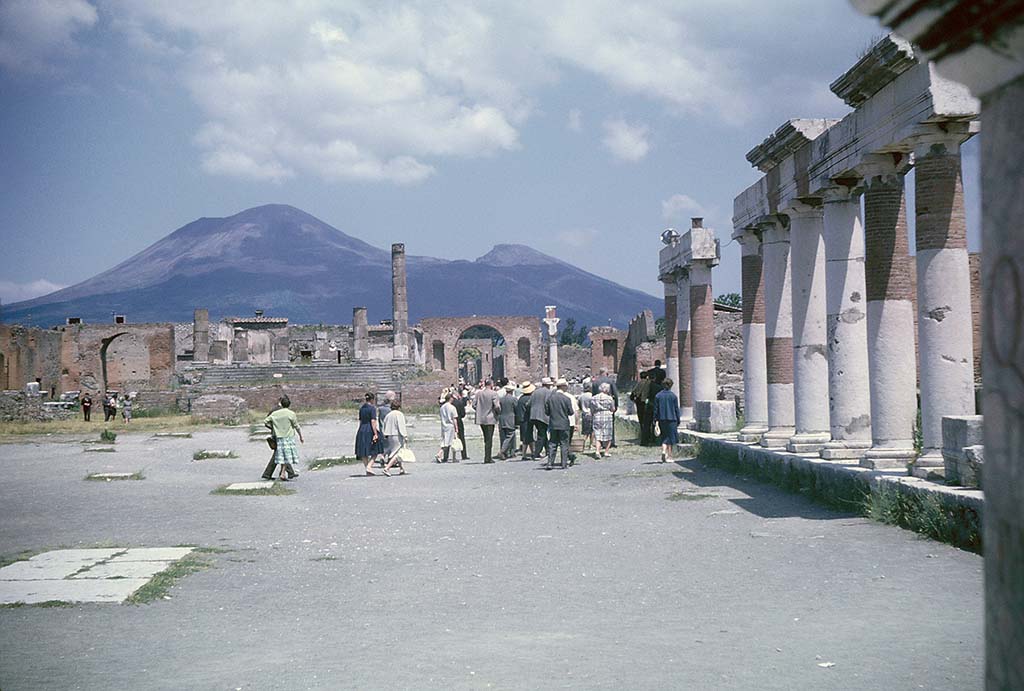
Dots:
pixel 100 449
pixel 277 490
pixel 926 514
pixel 46 604
pixel 689 496
pixel 331 461
pixel 327 558
pixel 108 436
pixel 161 583
pixel 98 477
pixel 203 455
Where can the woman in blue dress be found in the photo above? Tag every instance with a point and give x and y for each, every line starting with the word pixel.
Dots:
pixel 666 412
pixel 368 434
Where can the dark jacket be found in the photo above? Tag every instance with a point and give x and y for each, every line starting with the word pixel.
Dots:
pixel 523 409
pixel 507 411
pixel 666 406
pixel 540 397
pixel 558 408
pixel 460 406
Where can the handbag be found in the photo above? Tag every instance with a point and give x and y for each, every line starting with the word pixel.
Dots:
pixel 456 444
pixel 272 442
pixel 405 455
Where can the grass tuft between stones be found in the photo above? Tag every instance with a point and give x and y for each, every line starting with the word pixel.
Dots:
pixel 331 461
pixel 160 584
pixel 46 604
pixel 689 496
pixel 99 477
pixel 204 454
pixel 277 490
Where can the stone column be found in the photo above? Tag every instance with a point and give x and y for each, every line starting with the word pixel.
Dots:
pixel 846 326
pixel 399 302
pixel 683 370
pixel 552 321
pixel 201 336
pixel 892 363
pixel 810 363
pixel 943 292
pixel 778 332
pixel 360 334
pixel 671 311
pixel 755 363
pixel 702 332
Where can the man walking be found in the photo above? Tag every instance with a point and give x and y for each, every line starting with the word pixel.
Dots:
pixel 87 407
pixel 507 423
pixel 539 418
pixel 559 410
pixel 485 403
pixel 523 419
pixel 640 395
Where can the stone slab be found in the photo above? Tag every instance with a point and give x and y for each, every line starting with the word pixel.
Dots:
pixel 245 486
pixel 715 416
pixel 110 476
pixel 124 569
pixel 54 565
pixel 153 554
pixel 96 590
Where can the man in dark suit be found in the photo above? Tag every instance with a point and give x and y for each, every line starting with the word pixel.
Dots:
pixel 460 429
pixel 507 423
pixel 640 397
pixel 559 410
pixel 657 376
pixel 539 418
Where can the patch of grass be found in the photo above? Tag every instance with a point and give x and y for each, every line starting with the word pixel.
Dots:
pixel 25 555
pixel 169 423
pixel 46 604
pixel 927 514
pixel 108 436
pixel 161 583
pixel 277 490
pixel 100 449
pixel 155 412
pixel 204 454
pixel 689 496
pixel 327 558
pixel 331 461
pixel 97 477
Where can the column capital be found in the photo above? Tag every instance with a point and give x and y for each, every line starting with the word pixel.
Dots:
pixel 873 166
pixel 774 228
pixel 749 239
pixel 946 137
pixel 842 190
pixel 804 207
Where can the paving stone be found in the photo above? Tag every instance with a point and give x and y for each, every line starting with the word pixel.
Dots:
pixel 125 569
pixel 153 554
pixel 29 571
pixel 96 590
pixel 243 486
pixel 110 476
pixel 85 556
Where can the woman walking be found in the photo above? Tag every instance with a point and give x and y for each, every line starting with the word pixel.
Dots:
pixel 284 426
pixel 666 412
pixel 604 419
pixel 379 450
pixel 368 434
pixel 449 420
pixel 395 434
pixel 586 400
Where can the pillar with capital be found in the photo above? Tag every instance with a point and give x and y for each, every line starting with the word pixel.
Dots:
pixel 683 371
pixel 671 312
pixel 552 323
pixel 778 327
pixel 702 331
pixel 755 365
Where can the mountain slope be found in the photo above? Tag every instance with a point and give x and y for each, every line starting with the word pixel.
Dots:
pixel 289 263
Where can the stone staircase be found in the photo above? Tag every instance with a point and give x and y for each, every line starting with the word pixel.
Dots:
pixel 377 376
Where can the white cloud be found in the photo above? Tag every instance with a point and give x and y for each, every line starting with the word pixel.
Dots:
pixel 680 206
pixel 577 237
pixel 575 120
pixel 16 292
pixel 627 142
pixel 34 33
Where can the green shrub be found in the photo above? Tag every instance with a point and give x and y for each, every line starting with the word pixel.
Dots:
pixel 108 436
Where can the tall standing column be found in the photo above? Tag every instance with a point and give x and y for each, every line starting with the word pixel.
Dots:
pixel 846 326
pixel 552 321
pixel 892 363
pixel 683 369
pixel 360 334
pixel 943 292
pixel 671 311
pixel 778 332
pixel 810 364
pixel 399 302
pixel 201 335
pixel 755 364
pixel 702 332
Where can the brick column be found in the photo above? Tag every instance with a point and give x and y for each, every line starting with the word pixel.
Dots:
pixel 810 363
pixel 683 369
pixel 846 325
pixel 892 363
pixel 943 292
pixel 778 333
pixel 702 332
pixel 671 311
pixel 755 364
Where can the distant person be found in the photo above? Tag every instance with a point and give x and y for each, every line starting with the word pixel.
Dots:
pixel 126 408
pixel 559 409
pixel 657 376
pixel 268 472
pixel 395 434
pixel 109 407
pixel 86 407
pixel 507 422
pixel 368 434
pixel 666 409
pixel 485 403
pixel 449 421
pixel 523 421
pixel 379 448
pixel 587 418
pixel 539 418
pixel 459 401
pixel 604 418
pixel 285 427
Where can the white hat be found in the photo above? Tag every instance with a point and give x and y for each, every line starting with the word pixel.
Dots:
pixel 545 381
pixel 561 382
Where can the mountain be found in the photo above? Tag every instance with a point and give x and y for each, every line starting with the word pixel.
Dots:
pixel 289 263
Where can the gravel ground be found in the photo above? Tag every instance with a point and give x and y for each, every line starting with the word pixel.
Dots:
pixel 623 573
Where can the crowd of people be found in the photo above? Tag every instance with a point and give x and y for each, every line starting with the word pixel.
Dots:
pixel 112 403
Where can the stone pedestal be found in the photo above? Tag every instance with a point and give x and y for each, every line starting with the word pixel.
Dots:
pixel 399 302
pixel 962 449
pixel 943 291
pixel 755 359
pixel 715 417
pixel 810 366
pixel 892 364
pixel 846 325
pixel 778 333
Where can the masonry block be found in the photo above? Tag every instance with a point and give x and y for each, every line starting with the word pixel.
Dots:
pixel 715 417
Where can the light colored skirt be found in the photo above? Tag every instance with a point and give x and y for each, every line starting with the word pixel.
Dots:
pixel 287 451
pixel 394 443
pixel 604 423
pixel 447 435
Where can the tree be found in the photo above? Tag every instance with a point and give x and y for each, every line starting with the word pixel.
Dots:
pixel 659 327
pixel 730 300
pixel 568 335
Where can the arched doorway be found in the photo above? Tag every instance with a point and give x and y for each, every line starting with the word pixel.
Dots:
pixel 124 359
pixel 481 353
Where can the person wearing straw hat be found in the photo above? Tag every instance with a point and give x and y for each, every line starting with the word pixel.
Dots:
pixel 523 421
pixel 539 418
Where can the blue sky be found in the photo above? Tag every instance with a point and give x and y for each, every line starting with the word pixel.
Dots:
pixel 579 128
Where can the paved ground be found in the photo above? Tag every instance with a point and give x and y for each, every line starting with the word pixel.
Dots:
pixel 617 574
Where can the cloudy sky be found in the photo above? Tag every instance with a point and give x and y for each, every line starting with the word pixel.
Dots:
pixel 581 128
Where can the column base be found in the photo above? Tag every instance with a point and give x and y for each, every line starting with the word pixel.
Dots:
pixel 930 465
pixel 777 438
pixel 888 458
pixel 808 442
pixel 845 450
pixel 751 434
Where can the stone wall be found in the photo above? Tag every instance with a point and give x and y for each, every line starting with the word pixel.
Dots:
pixel 18 406
pixel 29 354
pixel 606 347
pixel 729 357
pixel 125 357
pixel 323 342
pixel 574 362
pixel 523 357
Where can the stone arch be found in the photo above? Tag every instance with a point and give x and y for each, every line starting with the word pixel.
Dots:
pixel 124 361
pixel 449 330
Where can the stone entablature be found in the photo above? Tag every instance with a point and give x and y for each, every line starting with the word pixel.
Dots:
pixel 887 59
